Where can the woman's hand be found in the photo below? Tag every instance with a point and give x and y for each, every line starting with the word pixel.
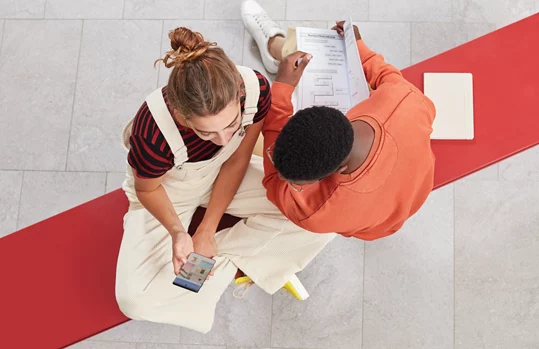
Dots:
pixel 182 246
pixel 339 27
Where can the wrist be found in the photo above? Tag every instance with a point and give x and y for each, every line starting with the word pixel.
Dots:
pixel 176 231
pixel 210 221
pixel 206 228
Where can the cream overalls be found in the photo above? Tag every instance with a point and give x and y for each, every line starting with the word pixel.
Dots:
pixel 265 245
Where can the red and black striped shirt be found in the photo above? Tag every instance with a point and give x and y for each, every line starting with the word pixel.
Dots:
pixel 150 154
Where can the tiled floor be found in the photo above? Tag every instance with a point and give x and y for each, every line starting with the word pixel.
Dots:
pixel 463 273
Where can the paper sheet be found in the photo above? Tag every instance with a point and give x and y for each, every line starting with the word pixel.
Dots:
pixel 334 77
pixel 359 88
pixel 324 81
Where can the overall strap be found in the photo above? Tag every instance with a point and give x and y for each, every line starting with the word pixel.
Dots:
pixel 252 93
pixel 165 122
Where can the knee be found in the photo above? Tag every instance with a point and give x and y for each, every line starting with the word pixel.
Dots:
pixel 131 304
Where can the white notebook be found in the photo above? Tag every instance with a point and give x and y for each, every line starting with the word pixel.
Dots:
pixel 452 94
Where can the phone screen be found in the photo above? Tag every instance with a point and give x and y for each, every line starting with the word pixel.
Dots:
pixel 194 272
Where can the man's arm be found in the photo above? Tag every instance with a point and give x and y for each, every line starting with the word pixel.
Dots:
pixel 378 72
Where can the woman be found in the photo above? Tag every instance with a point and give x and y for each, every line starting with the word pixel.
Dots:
pixel 191 145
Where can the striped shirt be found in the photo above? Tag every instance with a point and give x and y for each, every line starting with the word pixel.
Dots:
pixel 150 154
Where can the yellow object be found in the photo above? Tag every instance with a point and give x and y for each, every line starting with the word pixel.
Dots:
pixel 294 287
pixel 242 280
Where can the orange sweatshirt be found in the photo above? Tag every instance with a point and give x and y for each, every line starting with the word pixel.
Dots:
pixel 375 200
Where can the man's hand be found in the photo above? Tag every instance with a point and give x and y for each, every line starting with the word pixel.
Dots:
pixel 182 246
pixel 339 27
pixel 291 68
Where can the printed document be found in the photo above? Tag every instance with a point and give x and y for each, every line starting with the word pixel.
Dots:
pixel 334 76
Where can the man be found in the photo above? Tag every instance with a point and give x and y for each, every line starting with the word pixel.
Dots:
pixel 361 175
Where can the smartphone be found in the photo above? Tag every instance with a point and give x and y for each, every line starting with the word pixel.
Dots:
pixel 194 272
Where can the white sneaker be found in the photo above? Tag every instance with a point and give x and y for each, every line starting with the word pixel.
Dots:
pixel 261 28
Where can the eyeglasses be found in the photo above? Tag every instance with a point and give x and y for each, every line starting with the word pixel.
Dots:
pixel 269 153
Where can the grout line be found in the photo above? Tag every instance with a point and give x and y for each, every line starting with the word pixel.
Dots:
pixel 123 10
pixel 160 52
pixel 2 37
pixel 74 96
pixel 271 322
pixel 368 10
pixel 106 182
pixel 363 298
pixel 245 42
pixel 454 264
pixel 203 9
pixel 411 43
pixel 45 8
pixel 20 201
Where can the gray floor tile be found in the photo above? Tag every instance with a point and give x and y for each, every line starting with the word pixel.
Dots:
pixel 114 181
pixel 103 345
pixel 227 34
pixel 176 346
pixel 10 187
pixel 22 8
pixel 38 73
pixel 409 281
pixel 430 39
pixel 501 12
pixel 163 9
pixel 116 74
pixel 331 317
pixel 93 9
pixel 141 332
pixel 487 174
pixel 410 10
pixel 392 40
pixel 523 166
pixel 238 322
pixel 230 9
pixel 496 277
pixel 45 194
pixel 326 10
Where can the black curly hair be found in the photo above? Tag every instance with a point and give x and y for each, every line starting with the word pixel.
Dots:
pixel 313 144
